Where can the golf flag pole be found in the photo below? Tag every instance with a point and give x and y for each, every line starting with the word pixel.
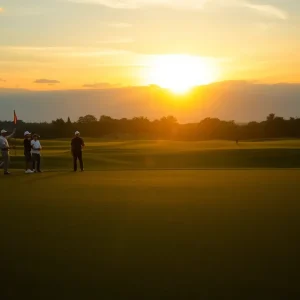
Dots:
pixel 15 118
pixel 15 122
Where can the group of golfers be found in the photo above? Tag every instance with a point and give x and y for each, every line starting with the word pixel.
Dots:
pixel 32 151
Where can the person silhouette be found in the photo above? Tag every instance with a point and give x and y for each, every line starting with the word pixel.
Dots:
pixel 4 148
pixel 77 145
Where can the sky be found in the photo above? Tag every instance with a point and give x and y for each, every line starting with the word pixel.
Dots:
pixel 86 44
pixel 241 101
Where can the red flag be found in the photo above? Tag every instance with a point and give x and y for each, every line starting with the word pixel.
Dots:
pixel 15 118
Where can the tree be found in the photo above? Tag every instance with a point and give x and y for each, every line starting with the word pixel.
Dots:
pixel 163 128
pixel 58 122
pixel 87 119
pixel 104 118
pixel 270 117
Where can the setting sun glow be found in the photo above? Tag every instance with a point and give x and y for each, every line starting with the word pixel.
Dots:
pixel 180 73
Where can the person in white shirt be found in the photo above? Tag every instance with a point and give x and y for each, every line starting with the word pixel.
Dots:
pixel 4 148
pixel 36 154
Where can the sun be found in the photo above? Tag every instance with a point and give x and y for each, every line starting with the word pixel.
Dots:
pixel 180 73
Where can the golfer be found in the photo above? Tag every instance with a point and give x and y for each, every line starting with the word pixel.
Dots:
pixel 36 154
pixel 27 152
pixel 76 147
pixel 4 148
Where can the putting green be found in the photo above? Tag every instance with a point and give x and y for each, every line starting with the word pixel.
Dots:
pixel 149 234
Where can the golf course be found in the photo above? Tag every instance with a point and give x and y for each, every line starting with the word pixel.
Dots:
pixel 152 220
pixel 151 154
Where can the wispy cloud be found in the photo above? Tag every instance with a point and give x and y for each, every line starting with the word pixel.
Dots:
pixel 2 80
pixel 46 81
pixel 264 9
pixel 268 10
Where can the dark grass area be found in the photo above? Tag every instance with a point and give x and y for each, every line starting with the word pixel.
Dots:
pixel 100 159
pixel 150 235
pixel 138 155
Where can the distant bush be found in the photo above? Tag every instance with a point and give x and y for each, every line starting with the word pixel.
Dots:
pixel 164 128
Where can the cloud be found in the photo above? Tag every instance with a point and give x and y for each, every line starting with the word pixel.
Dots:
pixel 120 25
pixel 46 81
pixel 1 10
pixel 264 9
pixel 102 85
pixel 2 80
pixel 268 10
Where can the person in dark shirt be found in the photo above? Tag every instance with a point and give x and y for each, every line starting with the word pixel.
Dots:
pixel 27 152
pixel 76 145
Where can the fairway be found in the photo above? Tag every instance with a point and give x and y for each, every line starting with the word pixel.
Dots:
pixel 151 154
pixel 149 234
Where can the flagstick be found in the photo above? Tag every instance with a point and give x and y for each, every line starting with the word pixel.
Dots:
pixel 15 121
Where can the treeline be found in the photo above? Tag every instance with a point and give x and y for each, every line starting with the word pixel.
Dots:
pixel 164 128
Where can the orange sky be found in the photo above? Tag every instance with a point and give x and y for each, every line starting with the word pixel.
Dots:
pixel 70 44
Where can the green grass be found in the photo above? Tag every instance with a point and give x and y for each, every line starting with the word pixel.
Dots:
pixel 144 222
pixel 224 234
pixel 131 155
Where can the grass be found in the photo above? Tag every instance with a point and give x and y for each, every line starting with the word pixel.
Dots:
pixel 126 155
pixel 149 234
pixel 122 231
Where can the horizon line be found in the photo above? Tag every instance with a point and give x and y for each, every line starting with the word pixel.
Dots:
pixel 115 87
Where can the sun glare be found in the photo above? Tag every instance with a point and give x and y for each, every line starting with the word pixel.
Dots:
pixel 180 73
